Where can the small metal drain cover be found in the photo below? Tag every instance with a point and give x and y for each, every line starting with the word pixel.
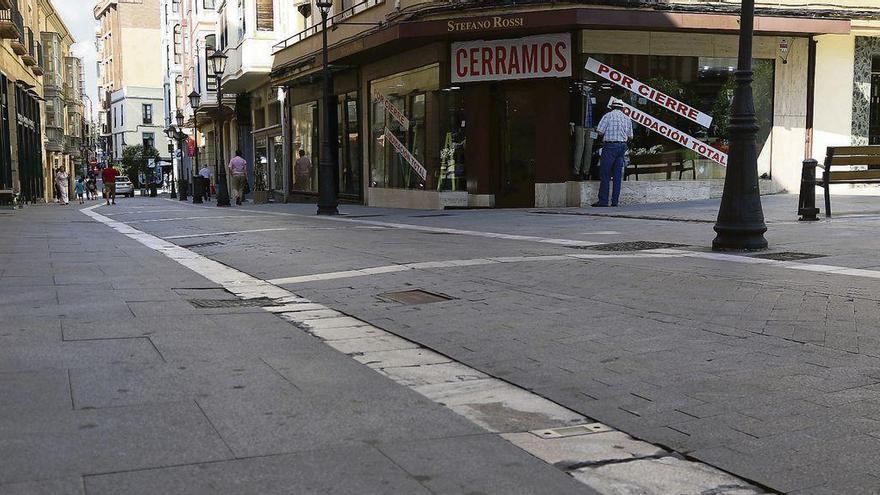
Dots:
pixel 631 246
pixel 432 215
pixel 232 303
pixel 415 296
pixel 201 244
pixel 571 431
pixel 788 256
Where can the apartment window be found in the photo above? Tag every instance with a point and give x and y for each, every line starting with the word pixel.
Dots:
pixel 242 19
pixel 178 92
pixel 121 115
pixel 149 140
pixel 209 4
pixel 148 113
pixel 175 6
pixel 210 46
pixel 178 44
pixel 265 15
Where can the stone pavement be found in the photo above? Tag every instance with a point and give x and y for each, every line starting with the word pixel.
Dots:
pixel 111 382
pixel 766 369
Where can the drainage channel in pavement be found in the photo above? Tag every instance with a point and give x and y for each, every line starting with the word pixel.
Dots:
pixel 606 460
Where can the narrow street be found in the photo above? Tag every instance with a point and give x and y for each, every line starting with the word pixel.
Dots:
pixel 161 347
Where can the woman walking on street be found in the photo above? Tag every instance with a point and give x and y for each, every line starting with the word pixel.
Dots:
pixel 61 182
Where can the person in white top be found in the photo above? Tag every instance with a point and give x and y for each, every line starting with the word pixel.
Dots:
pixel 61 179
pixel 616 130
pixel 205 173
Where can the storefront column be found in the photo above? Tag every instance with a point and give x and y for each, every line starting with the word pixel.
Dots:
pixel 286 146
pixel 478 131
pixel 553 160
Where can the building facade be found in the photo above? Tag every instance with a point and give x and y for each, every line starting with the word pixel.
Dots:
pixel 41 105
pixel 130 81
pixel 494 104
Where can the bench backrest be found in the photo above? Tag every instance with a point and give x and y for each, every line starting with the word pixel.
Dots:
pixel 852 155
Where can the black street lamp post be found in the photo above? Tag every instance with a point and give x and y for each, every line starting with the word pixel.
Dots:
pixel 740 225
pixel 218 65
pixel 181 137
pixel 195 100
pixel 327 201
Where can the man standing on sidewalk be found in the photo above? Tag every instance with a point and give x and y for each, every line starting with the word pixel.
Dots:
pixel 238 171
pixel 205 177
pixel 108 176
pixel 616 129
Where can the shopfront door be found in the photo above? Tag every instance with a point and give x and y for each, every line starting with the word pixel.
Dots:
pixel 516 114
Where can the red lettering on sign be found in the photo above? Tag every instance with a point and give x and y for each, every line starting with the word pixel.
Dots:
pixel 460 69
pixel 474 52
pixel 530 58
pixel 514 61
pixel 562 63
pixel 546 57
pixel 501 60
pixel 604 69
pixel 487 61
pixel 627 82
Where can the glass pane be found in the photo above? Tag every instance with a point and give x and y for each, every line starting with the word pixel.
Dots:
pixel 261 165
pixel 277 163
pixel 305 147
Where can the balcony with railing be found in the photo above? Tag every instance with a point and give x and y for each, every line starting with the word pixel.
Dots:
pixel 54 139
pixel 53 76
pixel 30 57
pixel 39 67
pixel 18 42
pixel 10 23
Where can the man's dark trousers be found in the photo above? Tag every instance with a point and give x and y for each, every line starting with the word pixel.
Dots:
pixel 612 163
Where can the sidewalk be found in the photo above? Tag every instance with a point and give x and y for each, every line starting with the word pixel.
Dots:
pixel 112 382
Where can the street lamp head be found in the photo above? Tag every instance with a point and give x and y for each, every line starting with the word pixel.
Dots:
pixel 324 6
pixel 169 131
pixel 179 118
pixel 218 62
pixel 195 100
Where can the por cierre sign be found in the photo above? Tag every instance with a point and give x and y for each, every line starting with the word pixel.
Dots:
pixel 648 92
pixel 523 58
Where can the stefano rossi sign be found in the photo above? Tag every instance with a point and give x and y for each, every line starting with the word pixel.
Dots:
pixel 496 22
pixel 546 55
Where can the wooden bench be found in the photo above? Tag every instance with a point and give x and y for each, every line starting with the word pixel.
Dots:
pixel 659 163
pixel 849 156
pixel 7 198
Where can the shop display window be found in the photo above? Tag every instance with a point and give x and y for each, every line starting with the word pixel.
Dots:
pixel 349 145
pixel 305 147
pixel 398 130
pixel 261 164
pixel 276 148
pixel 704 83
pixel 453 142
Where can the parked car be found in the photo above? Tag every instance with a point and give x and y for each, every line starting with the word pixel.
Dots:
pixel 124 187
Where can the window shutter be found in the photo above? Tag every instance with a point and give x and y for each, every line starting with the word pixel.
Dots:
pixel 265 15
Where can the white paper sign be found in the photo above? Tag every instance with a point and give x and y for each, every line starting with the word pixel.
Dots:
pixel 394 111
pixel 673 134
pixel 407 156
pixel 546 55
pixel 649 93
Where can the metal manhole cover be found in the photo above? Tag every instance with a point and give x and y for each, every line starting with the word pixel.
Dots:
pixel 788 256
pixel 415 296
pixel 232 303
pixel 631 246
pixel 201 244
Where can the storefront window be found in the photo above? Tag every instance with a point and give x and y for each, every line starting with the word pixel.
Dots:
pixel 704 83
pixel 398 130
pixel 261 165
pixel 349 146
pixel 452 143
pixel 305 147
pixel 277 162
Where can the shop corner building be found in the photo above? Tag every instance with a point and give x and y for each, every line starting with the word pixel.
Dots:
pixel 489 104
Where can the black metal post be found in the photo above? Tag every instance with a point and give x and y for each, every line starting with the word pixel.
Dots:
pixel 807 198
pixel 220 167
pixel 327 201
pixel 740 225
pixel 180 145
pixel 173 177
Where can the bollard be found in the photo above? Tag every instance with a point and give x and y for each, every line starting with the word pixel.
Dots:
pixel 183 189
pixel 807 198
pixel 198 193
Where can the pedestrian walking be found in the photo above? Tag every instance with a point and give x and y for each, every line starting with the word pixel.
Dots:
pixel 205 174
pixel 238 171
pixel 616 130
pixel 92 188
pixel 80 189
pixel 108 176
pixel 302 171
pixel 62 183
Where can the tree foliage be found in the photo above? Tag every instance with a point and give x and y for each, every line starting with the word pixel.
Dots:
pixel 135 162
